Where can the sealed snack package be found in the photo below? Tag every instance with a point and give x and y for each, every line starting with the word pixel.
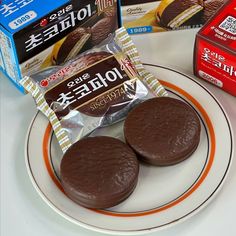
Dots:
pixel 96 89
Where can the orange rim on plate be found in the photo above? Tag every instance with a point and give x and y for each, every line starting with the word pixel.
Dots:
pixel 197 184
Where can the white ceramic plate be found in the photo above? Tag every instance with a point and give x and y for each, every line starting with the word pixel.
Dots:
pixel 164 195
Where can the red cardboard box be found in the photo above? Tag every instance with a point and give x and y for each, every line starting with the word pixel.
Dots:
pixel 215 49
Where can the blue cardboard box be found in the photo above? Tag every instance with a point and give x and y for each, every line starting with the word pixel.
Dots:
pixel 33 31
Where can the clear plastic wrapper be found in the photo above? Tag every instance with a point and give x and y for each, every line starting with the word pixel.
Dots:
pixel 96 89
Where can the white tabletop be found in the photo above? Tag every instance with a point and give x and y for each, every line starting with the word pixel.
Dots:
pixel 24 213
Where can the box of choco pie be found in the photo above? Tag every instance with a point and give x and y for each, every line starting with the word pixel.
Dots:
pixel 145 16
pixel 215 49
pixel 36 34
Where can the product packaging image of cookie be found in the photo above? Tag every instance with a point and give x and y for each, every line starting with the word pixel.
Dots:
pixel 103 21
pixel 37 34
pixel 95 89
pixel 215 49
pixel 166 15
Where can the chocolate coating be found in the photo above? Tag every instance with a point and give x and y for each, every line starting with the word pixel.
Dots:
pixel 210 8
pixel 99 172
pixel 86 60
pixel 175 8
pixel 71 41
pixel 172 9
pixel 102 29
pixel 162 131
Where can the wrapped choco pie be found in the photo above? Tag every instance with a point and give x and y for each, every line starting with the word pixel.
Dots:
pixel 96 89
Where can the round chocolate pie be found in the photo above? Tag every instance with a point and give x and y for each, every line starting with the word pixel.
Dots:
pixel 99 172
pixel 76 42
pixel 176 13
pixel 162 131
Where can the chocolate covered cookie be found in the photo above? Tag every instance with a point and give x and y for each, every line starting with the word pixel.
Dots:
pixel 162 131
pixel 102 29
pixel 176 13
pixel 210 8
pixel 76 42
pixel 99 172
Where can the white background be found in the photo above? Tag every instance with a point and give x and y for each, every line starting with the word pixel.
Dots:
pixel 24 213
